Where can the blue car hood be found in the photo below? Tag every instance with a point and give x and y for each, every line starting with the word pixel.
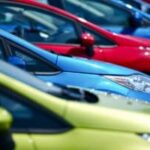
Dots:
pixel 83 65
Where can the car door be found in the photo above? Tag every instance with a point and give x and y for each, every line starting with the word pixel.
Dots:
pixel 37 65
pixel 53 32
pixel 104 48
pixel 22 139
pixel 29 60
pixel 34 127
pixel 47 29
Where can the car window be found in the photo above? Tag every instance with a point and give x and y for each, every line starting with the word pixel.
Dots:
pixel 37 25
pixel 28 116
pixel 104 13
pixel 32 63
pixel 99 39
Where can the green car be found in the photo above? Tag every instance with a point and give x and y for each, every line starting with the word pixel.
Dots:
pixel 44 122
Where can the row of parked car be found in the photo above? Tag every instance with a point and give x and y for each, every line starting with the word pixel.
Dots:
pixel 83 103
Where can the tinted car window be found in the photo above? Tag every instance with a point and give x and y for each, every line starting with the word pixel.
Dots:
pixel 36 25
pixel 28 116
pixel 32 63
pixel 104 13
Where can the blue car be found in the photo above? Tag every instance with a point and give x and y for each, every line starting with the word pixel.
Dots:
pixel 73 71
pixel 113 15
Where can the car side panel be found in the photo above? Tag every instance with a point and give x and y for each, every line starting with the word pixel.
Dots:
pixel 133 57
pixel 88 139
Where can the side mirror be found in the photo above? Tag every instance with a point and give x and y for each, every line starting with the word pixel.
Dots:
pixel 5 120
pixel 81 94
pixel 88 41
pixel 72 93
pixel 17 61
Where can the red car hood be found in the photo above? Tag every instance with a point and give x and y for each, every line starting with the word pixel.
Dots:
pixel 128 40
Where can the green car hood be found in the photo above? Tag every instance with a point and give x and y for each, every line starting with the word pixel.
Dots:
pixel 96 117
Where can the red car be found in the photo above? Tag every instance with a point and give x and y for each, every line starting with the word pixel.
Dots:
pixel 56 30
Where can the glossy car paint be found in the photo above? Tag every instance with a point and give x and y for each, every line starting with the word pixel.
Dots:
pixel 73 71
pixel 126 50
pixel 96 126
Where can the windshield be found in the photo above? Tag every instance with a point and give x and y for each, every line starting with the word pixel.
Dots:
pixel 103 12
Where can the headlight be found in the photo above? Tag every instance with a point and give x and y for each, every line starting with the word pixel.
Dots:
pixel 134 82
pixel 145 136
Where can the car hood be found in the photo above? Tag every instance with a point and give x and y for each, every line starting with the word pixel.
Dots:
pixel 102 118
pixel 127 40
pixel 83 65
